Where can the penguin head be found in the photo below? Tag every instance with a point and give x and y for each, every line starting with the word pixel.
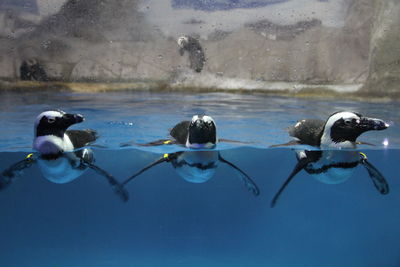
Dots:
pixel 182 41
pixel 343 128
pixel 55 122
pixel 202 132
pixel 50 127
pixel 31 62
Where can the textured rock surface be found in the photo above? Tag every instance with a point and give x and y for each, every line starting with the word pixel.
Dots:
pixel 384 65
pixel 111 40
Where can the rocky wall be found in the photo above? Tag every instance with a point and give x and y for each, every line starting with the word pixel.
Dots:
pixel 98 41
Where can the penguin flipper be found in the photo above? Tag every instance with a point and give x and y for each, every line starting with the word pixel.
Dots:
pixel 301 164
pixel 153 143
pixel 377 178
pixel 118 187
pixel 248 182
pixel 180 132
pixel 81 138
pixel 234 141
pixel 308 131
pixel 290 143
pixel 364 143
pixel 165 158
pixel 14 170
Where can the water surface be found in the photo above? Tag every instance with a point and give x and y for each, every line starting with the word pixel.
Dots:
pixel 171 222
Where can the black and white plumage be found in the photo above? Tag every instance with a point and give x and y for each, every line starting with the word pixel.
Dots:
pixel 335 158
pixel 196 166
pixel 196 53
pixel 52 136
pixel 61 154
pixel 200 132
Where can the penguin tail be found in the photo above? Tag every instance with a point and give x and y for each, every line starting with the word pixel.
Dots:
pixel 93 133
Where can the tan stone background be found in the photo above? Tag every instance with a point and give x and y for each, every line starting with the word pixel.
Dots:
pixel 103 41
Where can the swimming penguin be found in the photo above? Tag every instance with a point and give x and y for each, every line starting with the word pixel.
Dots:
pixel 196 166
pixel 335 139
pixel 196 53
pixel 61 153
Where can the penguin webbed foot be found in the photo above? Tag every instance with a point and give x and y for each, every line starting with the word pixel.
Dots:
pixel 248 182
pixel 377 178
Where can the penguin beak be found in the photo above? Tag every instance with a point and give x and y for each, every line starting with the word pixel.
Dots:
pixel 70 119
pixel 368 124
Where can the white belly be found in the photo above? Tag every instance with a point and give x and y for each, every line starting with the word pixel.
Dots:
pixel 335 175
pixel 193 174
pixel 61 170
pixel 50 144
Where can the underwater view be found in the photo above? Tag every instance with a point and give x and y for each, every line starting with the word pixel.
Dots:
pixel 167 133
pixel 204 217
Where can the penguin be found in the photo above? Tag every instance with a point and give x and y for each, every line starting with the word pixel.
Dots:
pixel 196 53
pixel 25 71
pixel 52 137
pixel 61 153
pixel 333 158
pixel 31 69
pixel 196 166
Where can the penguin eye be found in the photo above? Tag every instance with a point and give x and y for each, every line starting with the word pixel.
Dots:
pixel 347 121
pixel 51 120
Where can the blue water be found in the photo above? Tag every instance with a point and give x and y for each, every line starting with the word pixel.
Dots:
pixel 171 222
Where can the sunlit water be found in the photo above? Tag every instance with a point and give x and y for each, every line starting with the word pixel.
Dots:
pixel 169 221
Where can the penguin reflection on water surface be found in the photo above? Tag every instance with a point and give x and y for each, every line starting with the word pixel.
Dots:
pixel 196 166
pixel 336 158
pixel 61 154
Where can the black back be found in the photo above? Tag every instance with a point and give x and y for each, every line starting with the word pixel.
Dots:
pixel 180 132
pixel 81 138
pixel 309 131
